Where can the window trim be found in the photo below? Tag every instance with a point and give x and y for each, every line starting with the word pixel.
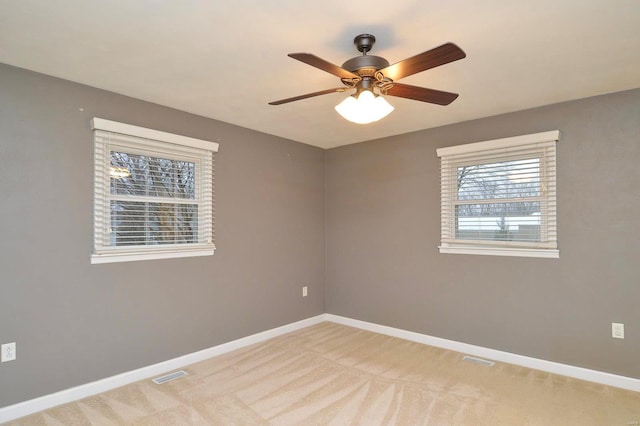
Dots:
pixel 500 148
pixel 154 139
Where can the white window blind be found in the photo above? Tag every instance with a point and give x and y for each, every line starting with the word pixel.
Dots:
pixel 499 197
pixel 153 194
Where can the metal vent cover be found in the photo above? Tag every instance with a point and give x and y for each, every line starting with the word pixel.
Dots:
pixel 169 377
pixel 478 361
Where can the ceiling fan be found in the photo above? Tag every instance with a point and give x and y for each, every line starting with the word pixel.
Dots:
pixel 367 72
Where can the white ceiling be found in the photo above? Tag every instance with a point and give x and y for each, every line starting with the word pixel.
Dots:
pixel 227 59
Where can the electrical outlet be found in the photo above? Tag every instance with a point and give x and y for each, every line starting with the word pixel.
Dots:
pixel 8 352
pixel 617 330
pixel 304 291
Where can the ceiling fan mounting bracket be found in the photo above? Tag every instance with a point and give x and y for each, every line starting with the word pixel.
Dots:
pixel 384 86
pixel 350 82
pixel 364 42
pixel 368 83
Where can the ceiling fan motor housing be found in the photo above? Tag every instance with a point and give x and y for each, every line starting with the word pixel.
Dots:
pixel 360 64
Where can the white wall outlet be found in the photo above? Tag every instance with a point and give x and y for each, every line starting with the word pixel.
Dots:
pixel 304 291
pixel 8 352
pixel 617 330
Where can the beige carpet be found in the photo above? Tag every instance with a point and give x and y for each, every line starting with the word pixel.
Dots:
pixel 337 375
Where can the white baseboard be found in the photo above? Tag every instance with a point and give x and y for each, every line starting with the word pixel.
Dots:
pixel 31 406
pixel 601 377
pixel 25 408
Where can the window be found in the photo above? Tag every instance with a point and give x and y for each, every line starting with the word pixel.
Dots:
pixel 153 194
pixel 499 197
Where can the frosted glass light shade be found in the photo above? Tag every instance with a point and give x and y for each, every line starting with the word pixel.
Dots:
pixel 365 109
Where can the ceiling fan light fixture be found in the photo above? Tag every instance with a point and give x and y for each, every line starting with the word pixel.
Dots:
pixel 366 108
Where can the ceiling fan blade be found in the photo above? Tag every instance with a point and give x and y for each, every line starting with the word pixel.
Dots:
pixel 421 94
pixel 320 63
pixel 441 55
pixel 308 95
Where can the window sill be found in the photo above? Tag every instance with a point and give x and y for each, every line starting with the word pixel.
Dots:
pixel 132 257
pixel 502 251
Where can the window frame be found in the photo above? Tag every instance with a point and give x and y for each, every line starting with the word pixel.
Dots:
pixel 154 143
pixel 540 145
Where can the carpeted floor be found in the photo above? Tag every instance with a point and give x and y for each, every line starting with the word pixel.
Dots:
pixel 338 375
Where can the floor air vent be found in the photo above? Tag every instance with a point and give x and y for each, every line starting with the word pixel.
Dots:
pixel 479 360
pixel 169 377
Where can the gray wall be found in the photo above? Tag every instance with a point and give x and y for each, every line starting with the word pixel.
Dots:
pixel 75 322
pixel 383 219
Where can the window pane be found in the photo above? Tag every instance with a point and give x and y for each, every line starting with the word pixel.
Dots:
pixel 499 221
pixel 143 175
pixel 138 223
pixel 153 194
pixel 507 179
